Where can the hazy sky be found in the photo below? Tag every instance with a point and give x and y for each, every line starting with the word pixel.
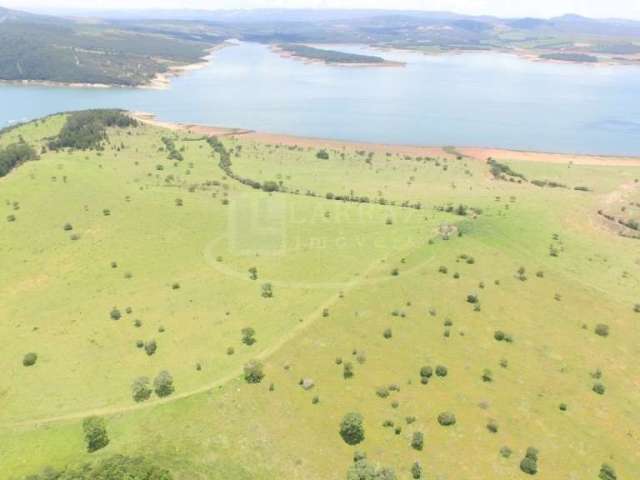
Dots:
pixel 539 8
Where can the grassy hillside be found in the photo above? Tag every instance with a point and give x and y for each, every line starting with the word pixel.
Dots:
pixel 145 239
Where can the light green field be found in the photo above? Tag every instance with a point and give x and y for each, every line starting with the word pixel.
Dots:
pixel 330 265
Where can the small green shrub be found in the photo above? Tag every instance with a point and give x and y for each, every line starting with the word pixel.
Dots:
pixel 492 426
pixel 602 330
pixel 115 314
pixel 387 333
pixel 505 452
pixel 163 384
pixel 416 471
pixel 248 336
pixel 417 441
pixel 446 419
pixel 607 472
pixel 426 371
pixel 441 371
pixel 150 347
pixel 267 290
pixel 599 388
pixel 30 359
pixel 141 389
pixel 382 392
pixel 253 372
pixel 347 370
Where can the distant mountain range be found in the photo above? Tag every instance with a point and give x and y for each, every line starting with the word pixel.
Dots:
pixel 130 47
pixel 568 23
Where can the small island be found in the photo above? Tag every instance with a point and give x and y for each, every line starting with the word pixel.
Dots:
pixel 570 57
pixel 332 57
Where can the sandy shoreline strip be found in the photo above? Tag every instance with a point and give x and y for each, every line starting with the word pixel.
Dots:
pixel 476 153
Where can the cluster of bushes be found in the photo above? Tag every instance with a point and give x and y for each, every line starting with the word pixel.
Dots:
pixel 548 183
pixel 112 468
pixel 502 171
pixel 225 165
pixel 88 129
pixel 174 154
pixel 271 186
pixel 529 463
pixel 631 224
pixel 14 155
pixel 362 469
pixel 162 385
pixel 501 336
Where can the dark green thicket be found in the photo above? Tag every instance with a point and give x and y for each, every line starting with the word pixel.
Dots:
pixel 352 429
pixel 95 433
pixel 503 172
pixel 87 129
pixel 14 155
pixel 113 468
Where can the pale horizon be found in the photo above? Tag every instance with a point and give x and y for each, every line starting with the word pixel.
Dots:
pixel 621 9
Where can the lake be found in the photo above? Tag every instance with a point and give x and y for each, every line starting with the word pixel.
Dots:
pixel 472 99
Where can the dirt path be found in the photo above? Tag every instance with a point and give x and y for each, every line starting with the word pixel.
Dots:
pixel 264 355
pixel 150 119
pixel 618 195
pixel 543 157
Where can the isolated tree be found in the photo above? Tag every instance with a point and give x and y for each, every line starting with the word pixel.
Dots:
pixel 248 336
pixel 347 370
pixel 607 472
pixel 416 471
pixel 150 347
pixel 95 433
pixel 322 155
pixel 446 419
pixel 352 429
pixel 253 372
pixel 141 389
pixel 602 330
pixel 267 290
pixel 417 442
pixel 163 384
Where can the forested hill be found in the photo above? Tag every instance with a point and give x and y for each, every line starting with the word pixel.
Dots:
pixel 42 48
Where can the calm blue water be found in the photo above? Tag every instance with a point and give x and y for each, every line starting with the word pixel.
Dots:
pixel 476 99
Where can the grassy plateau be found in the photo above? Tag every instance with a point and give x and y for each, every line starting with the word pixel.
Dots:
pixel 343 270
